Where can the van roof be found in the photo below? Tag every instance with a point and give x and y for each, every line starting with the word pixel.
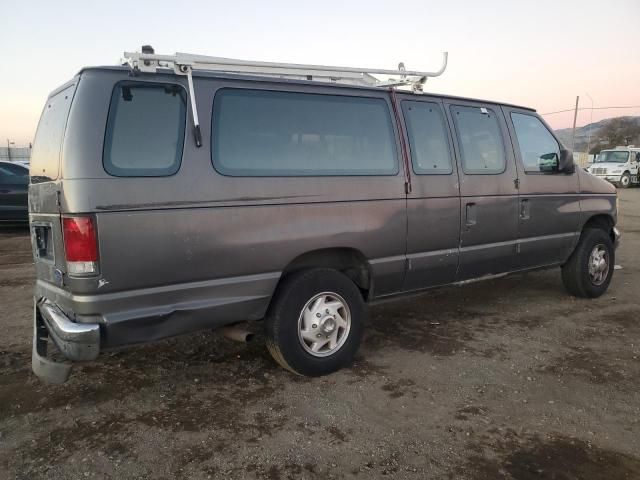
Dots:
pixel 264 78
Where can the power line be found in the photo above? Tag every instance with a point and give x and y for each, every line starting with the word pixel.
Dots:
pixel 589 108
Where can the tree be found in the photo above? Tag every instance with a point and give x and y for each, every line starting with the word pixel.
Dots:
pixel 619 131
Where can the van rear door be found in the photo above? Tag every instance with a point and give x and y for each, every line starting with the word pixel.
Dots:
pixel 44 190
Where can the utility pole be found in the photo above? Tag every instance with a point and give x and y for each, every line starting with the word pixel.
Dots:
pixel 575 118
pixel 590 124
pixel 8 149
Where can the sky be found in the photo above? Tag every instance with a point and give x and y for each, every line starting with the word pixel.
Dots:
pixel 540 53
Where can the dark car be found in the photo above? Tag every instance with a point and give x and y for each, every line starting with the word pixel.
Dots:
pixel 14 187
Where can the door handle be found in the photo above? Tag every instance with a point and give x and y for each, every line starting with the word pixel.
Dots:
pixel 470 214
pixel 525 210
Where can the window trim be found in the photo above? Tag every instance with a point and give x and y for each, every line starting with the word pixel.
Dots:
pixel 443 118
pixel 111 116
pixel 392 126
pixel 459 141
pixel 517 145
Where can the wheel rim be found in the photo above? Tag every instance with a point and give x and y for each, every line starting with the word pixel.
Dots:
pixel 598 264
pixel 324 324
pixel 625 180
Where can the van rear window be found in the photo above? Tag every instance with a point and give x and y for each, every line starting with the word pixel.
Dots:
pixel 270 133
pixel 145 130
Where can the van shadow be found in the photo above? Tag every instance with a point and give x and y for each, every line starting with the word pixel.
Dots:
pixel 446 321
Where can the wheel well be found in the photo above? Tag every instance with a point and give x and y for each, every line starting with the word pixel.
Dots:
pixel 349 261
pixel 602 221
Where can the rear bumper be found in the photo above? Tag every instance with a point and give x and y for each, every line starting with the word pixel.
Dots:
pixel 76 341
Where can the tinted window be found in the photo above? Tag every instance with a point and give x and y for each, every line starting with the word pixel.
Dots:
pixel 480 140
pixel 265 133
pixel 427 138
pixel 145 130
pixel 13 170
pixel 540 152
pixel 13 174
pixel 47 145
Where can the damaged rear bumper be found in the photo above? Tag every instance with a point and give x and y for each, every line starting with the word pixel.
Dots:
pixel 76 341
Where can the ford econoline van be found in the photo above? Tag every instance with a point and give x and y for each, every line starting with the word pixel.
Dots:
pixel 167 198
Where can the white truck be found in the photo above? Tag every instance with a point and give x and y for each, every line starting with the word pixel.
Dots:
pixel 619 166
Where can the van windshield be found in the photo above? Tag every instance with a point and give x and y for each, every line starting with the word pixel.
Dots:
pixel 613 156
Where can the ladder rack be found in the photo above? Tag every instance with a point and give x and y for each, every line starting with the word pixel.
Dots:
pixel 148 61
pixel 186 63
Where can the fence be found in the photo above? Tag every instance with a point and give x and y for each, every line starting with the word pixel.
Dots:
pixel 582 159
pixel 15 153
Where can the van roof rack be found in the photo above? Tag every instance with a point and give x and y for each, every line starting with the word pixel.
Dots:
pixel 185 63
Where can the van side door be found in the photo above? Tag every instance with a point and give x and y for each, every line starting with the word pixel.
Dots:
pixel 549 201
pixel 488 189
pixel 433 204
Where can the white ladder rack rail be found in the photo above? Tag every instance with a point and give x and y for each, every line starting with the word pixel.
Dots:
pixel 185 63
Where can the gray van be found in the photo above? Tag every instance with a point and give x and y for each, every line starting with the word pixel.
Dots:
pixel 288 200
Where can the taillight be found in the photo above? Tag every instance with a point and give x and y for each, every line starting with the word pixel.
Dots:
pixel 80 245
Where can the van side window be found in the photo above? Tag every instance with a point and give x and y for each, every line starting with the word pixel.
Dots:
pixel 539 150
pixel 480 140
pixel 145 130
pixel 45 156
pixel 428 138
pixel 270 133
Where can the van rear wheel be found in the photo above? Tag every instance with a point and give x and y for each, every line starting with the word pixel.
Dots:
pixel 588 271
pixel 315 322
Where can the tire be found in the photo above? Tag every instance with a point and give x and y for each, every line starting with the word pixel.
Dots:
pixel 297 303
pixel 576 275
pixel 625 180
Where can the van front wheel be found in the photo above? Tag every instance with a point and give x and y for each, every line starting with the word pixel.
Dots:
pixel 588 271
pixel 315 322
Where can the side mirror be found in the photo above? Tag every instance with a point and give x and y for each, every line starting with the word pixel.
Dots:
pixel 566 164
pixel 549 162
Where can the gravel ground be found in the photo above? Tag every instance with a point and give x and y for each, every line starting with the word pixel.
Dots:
pixel 504 379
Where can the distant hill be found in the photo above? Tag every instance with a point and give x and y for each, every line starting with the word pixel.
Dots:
pixel 582 133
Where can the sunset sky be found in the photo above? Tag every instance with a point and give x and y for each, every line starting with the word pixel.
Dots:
pixel 536 53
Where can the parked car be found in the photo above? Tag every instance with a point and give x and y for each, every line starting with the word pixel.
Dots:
pixel 14 184
pixel 296 202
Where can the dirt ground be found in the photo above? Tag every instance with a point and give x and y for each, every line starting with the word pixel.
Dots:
pixel 504 379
